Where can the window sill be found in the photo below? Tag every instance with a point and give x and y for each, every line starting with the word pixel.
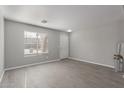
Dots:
pixel 29 55
pixel 35 54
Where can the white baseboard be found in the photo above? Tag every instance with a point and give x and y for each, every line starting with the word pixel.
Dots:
pixel 1 77
pixel 105 65
pixel 28 65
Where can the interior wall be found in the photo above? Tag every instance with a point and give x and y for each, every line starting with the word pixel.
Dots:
pixel 64 45
pixel 1 44
pixel 97 45
pixel 121 31
pixel 14 44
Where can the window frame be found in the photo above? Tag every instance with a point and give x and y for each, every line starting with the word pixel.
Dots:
pixel 37 44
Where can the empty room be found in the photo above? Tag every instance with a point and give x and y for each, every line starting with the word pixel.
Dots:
pixel 61 46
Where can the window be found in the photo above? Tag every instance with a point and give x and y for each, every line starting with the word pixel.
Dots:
pixel 35 43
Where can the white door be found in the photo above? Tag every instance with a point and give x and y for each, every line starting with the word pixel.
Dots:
pixel 64 45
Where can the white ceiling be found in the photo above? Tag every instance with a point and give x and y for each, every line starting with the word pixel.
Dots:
pixel 63 17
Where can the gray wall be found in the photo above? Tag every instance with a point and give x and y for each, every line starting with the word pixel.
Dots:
pixel 121 31
pixel 96 44
pixel 64 45
pixel 1 44
pixel 14 44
